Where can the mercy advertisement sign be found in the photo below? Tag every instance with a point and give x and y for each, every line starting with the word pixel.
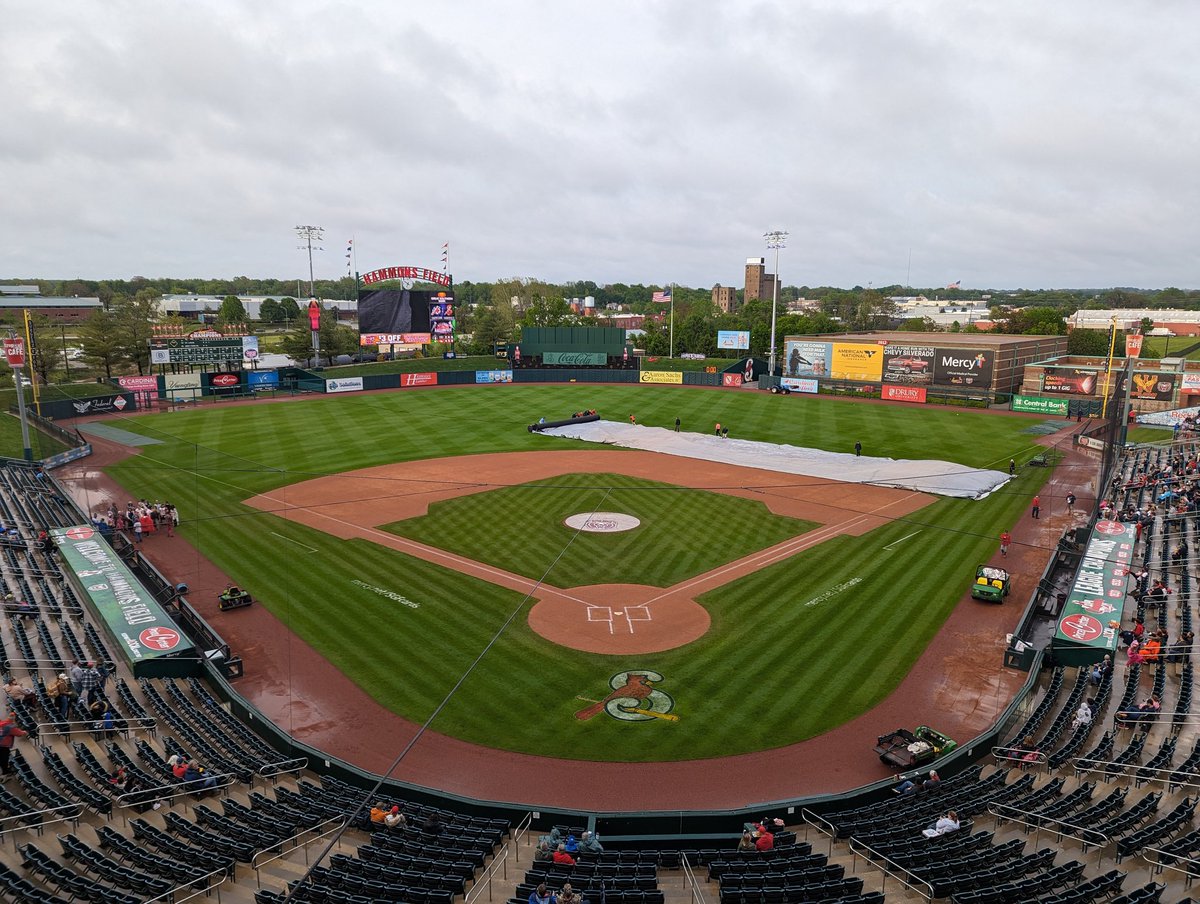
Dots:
pixel 1086 622
pixel 133 618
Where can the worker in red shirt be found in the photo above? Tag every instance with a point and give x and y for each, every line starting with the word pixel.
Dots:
pixel 1005 542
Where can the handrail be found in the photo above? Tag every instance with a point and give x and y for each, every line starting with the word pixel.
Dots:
pixel 1085 764
pixel 1160 865
pixel 501 860
pixel 1124 769
pixel 41 823
pixel 262 770
pixel 91 726
pixel 256 866
pixel 170 895
pixel 1064 828
pixel 870 853
pixel 810 818
pixel 120 800
pixel 1018 754
pixel 690 877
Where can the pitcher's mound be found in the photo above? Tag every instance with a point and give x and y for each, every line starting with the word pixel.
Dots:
pixel 619 619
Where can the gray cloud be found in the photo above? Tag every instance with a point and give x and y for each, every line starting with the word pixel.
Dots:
pixel 1004 144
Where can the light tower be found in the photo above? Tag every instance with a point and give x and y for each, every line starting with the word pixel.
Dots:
pixel 776 239
pixel 308 235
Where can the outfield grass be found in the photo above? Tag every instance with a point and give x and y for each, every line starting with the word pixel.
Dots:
pixel 673 542
pixel 772 671
pixel 1149 435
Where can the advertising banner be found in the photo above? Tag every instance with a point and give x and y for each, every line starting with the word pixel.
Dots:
pixel 661 376
pixel 225 380
pixel 963 367
pixel 262 380
pixel 800 384
pixel 493 376
pixel 394 339
pixel 1097 597
pixel 1069 381
pixel 14 352
pixel 735 339
pixel 856 361
pixel 1133 345
pixel 903 393
pixel 732 380
pixel 1153 387
pixel 182 387
pixel 106 405
pixel 345 384
pixel 575 359
pixel 418 379
pixel 133 617
pixel 806 359
pixel 144 389
pixel 1038 405
pixel 910 364
pixel 1191 383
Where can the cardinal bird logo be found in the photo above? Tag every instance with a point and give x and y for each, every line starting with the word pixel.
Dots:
pixel 634 698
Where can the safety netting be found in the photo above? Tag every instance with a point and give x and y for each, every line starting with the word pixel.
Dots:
pixel 942 478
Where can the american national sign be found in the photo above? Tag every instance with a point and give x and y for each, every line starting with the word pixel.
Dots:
pixel 133 618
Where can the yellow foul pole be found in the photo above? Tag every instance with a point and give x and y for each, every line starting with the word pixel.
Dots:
pixel 1108 370
pixel 37 402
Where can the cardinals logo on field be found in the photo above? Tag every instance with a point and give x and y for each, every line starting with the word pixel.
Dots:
pixel 634 698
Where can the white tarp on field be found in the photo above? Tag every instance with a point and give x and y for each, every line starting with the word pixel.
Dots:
pixel 942 478
pixel 1168 418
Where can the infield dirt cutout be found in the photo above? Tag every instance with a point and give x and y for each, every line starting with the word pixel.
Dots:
pixel 599 618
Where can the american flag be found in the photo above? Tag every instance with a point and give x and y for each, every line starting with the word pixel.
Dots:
pixel 663 297
pixel 954 285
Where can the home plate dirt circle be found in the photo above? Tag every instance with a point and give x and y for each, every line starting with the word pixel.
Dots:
pixel 619 619
pixel 602 522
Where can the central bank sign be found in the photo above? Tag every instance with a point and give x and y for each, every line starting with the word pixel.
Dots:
pixel 1039 405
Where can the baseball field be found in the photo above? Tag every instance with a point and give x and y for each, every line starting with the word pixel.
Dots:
pixel 412 538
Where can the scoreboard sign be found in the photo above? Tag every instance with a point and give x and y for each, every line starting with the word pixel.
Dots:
pixel 203 347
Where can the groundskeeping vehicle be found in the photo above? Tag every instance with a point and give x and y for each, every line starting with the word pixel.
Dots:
pixel 991 584
pixel 904 749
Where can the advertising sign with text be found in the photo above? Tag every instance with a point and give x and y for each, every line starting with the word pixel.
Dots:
pixel 800 384
pixel 1038 405
pixel 908 364
pixel 1153 387
pixel 1069 381
pixel 493 376
pixel 856 361
pixel 963 367
pixel 345 384
pixel 429 379
pixel 903 393
pixel 733 339
pixel 1097 597
pixel 660 376
pixel 806 359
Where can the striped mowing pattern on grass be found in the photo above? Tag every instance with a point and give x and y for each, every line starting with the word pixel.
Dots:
pixel 771 670
pixel 520 529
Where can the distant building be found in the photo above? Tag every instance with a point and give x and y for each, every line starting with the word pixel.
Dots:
pixel 759 283
pixel 725 298
pixel 58 308
pixel 1170 320
pixel 191 307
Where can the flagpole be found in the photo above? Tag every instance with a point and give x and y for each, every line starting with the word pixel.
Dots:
pixel 672 354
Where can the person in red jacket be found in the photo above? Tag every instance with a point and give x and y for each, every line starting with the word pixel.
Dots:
pixel 765 840
pixel 8 736
pixel 561 856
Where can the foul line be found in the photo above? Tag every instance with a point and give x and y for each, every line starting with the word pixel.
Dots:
pixel 902 539
pixel 297 542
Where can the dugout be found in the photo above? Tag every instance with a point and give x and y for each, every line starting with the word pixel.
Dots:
pixel 572 346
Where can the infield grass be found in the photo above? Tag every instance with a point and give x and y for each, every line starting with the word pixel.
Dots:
pixel 521 530
pixel 795 649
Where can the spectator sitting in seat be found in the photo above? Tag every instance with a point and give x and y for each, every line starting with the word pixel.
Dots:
pixel 1099 670
pixel 433 825
pixel 541 895
pixel 747 842
pixel 1083 715
pixel 590 844
pixel 572 845
pixel 561 856
pixel 765 840
pixel 568 895
pixel 199 775
pixel 18 693
pixel 378 813
pixel 178 765
pixel 395 819
pixel 1151 649
pixel 543 854
pixel 944 826
pixel 911 785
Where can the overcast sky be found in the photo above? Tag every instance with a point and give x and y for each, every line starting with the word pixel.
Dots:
pixel 1003 144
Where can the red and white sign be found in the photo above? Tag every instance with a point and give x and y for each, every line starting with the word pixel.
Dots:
pixel 159 638
pixel 1098 606
pixel 419 274
pixel 14 352
pixel 225 379
pixel 80 533
pixel 1110 527
pixel 1081 627
pixel 314 315
pixel 731 380
pixel 895 393
pixel 1133 345
pixel 119 403
pixel 418 379
pixel 365 339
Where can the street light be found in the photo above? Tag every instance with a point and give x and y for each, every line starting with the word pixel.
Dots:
pixel 775 239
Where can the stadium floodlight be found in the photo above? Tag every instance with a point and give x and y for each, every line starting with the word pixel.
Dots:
pixel 308 235
pixel 776 239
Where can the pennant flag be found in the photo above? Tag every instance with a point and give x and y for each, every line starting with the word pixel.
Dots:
pixel 445 255
pixel 349 255
pixel 661 297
